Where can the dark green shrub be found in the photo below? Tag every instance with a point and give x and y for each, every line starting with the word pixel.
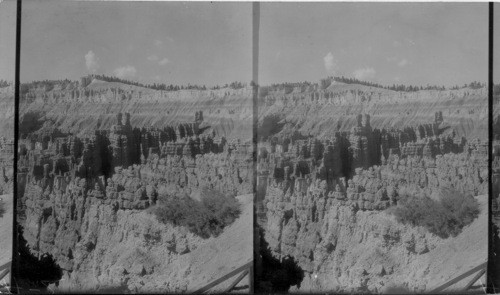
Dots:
pixel 207 217
pixel 444 217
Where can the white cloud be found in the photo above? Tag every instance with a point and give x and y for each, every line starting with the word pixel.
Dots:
pixel 403 62
pixel 400 62
pixel 153 58
pixel 158 42
pixel 91 62
pixel 125 72
pixel 396 43
pixel 163 62
pixel 330 63
pixel 364 74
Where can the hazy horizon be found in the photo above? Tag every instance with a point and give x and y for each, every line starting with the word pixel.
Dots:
pixel 175 43
pixel 387 43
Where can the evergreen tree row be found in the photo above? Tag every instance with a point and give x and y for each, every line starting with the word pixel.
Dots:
pixel 49 84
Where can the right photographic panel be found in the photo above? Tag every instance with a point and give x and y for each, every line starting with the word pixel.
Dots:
pixel 373 147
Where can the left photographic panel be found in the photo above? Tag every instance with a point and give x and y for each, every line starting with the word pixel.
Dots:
pixel 7 77
pixel 135 166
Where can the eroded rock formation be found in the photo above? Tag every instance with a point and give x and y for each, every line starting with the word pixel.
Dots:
pixel 81 107
pixel 82 198
pixel 311 110
pixel 325 180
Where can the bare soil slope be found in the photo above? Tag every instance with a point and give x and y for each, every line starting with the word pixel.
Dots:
pixel 455 256
pixel 230 250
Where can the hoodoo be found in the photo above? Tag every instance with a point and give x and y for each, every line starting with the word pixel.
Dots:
pixel 95 200
pixel 330 184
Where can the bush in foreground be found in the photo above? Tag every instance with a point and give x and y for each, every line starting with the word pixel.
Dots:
pixel 444 217
pixel 205 218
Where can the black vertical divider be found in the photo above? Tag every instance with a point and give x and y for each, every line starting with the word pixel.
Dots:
pixel 491 270
pixel 17 86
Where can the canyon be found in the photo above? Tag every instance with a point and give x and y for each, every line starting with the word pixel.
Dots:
pixel 333 158
pixel 90 176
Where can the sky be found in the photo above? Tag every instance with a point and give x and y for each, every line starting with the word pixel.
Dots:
pixel 173 43
pixel 7 40
pixel 388 43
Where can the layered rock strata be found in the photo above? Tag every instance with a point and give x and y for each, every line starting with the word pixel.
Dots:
pixel 83 108
pixel 321 112
pixel 82 197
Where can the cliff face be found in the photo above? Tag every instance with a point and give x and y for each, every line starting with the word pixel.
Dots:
pixel 81 110
pixel 325 180
pixel 102 248
pixel 342 249
pixel 106 238
pixel 98 246
pixel 89 201
pixel 344 240
pixel 421 162
pixel 322 112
